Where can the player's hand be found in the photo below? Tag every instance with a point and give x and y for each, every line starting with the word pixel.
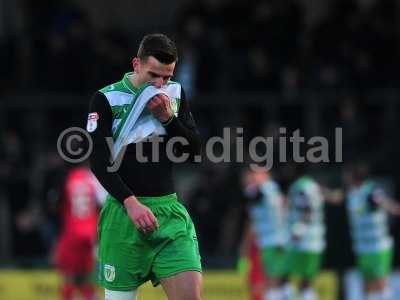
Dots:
pixel 160 107
pixel 140 215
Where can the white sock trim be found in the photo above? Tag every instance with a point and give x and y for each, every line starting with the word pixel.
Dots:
pixel 309 294
pixel 118 295
pixel 273 294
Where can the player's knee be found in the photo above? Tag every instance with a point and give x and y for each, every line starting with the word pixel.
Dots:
pixel 118 295
pixel 194 294
pixel 195 291
pixel 191 289
pixel 377 284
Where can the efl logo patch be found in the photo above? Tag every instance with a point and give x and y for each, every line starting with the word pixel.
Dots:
pixel 109 273
pixel 92 122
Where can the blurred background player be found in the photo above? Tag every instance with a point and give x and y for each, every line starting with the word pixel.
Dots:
pixel 368 206
pixel 75 250
pixel 267 212
pixel 307 232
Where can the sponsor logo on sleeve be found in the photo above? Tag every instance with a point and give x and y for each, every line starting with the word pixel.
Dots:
pixel 92 122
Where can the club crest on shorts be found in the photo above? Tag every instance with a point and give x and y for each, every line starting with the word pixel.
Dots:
pixel 92 122
pixel 109 273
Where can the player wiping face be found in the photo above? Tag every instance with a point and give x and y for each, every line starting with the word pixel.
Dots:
pixel 135 258
pixel 150 70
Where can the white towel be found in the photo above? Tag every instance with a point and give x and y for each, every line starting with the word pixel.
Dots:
pixel 137 126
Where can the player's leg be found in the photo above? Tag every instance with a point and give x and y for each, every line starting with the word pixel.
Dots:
pixel 257 282
pixel 274 291
pixel 375 268
pixel 257 290
pixel 124 261
pixel 177 262
pixel 67 289
pixel 88 291
pixel 276 267
pixel 86 287
pixel 376 289
pixel 64 260
pixel 307 292
pixel 183 286
pixel 85 282
pixel 255 278
pixel 118 295
pixel 306 266
pixel 289 292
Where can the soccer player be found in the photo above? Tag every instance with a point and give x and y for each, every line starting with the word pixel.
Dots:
pixel 368 205
pixel 144 231
pixel 307 232
pixel 75 250
pixel 267 211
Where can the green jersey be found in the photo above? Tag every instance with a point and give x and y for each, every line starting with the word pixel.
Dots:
pixel 268 215
pixel 121 97
pixel 306 216
pixel 368 220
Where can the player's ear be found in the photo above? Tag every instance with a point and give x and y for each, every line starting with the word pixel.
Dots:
pixel 135 64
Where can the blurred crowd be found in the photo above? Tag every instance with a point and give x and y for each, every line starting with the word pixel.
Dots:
pixel 240 45
pixel 275 46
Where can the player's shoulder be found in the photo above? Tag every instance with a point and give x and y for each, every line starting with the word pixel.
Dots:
pixel 308 182
pixel 116 94
pixel 301 184
pixel 270 186
pixel 114 87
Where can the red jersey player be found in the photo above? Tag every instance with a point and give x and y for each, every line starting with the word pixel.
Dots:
pixel 74 255
pixel 250 263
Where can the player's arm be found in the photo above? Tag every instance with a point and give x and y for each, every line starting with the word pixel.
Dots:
pixel 184 126
pixel 100 158
pixel 332 196
pixel 100 161
pixel 379 198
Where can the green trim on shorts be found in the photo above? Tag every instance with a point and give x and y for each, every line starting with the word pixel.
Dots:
pixel 275 262
pixel 304 264
pixel 128 258
pixel 375 265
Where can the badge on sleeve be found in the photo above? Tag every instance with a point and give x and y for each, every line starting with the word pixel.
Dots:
pixel 92 122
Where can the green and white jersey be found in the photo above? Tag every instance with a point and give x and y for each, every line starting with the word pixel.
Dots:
pixel 122 95
pixel 306 215
pixel 268 216
pixel 369 225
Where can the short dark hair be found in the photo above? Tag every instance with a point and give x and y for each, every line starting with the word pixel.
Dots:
pixel 159 46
